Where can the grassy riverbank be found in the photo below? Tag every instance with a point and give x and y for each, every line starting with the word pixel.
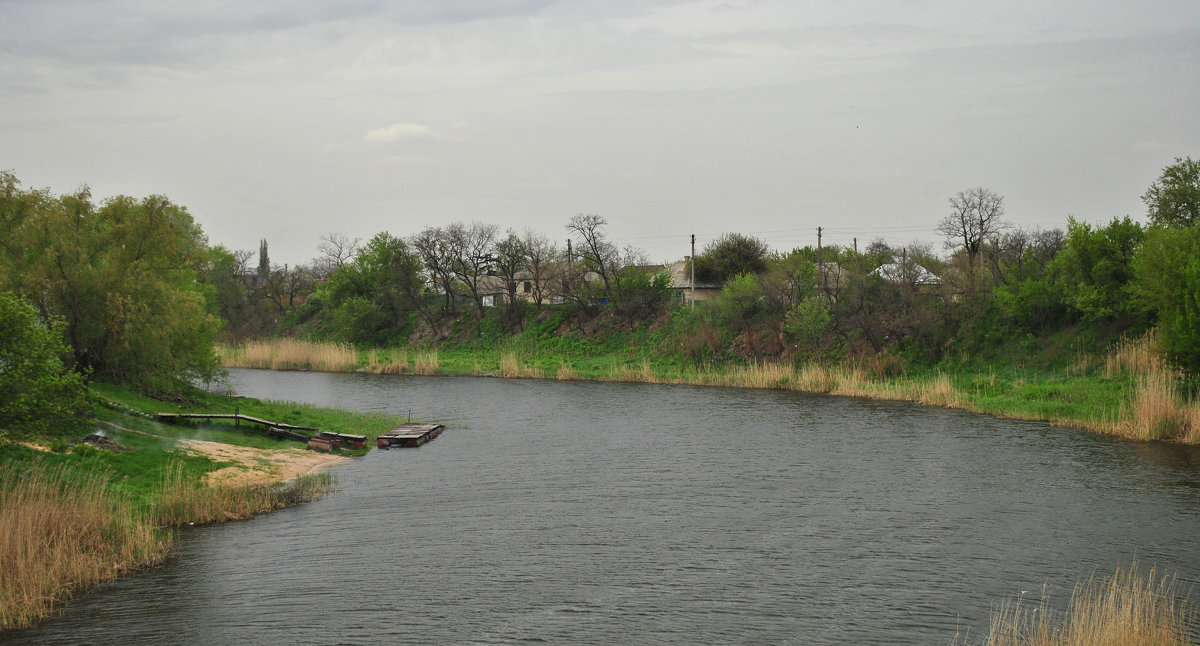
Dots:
pixel 1126 391
pixel 73 516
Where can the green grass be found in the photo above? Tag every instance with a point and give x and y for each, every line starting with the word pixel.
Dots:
pixel 127 418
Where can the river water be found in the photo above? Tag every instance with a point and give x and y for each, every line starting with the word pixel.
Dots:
pixel 596 513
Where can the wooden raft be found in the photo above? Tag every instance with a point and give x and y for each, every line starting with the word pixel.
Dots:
pixel 409 435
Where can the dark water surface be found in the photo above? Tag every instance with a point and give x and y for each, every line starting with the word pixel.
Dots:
pixel 588 513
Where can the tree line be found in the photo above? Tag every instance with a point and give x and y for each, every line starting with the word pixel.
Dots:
pixel 131 291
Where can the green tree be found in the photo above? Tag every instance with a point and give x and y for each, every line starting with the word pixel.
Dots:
pixel 125 279
pixel 38 394
pixel 264 260
pixel 1096 266
pixel 808 321
pixel 741 301
pixel 1168 284
pixel 1173 200
pixel 731 255
pixel 371 299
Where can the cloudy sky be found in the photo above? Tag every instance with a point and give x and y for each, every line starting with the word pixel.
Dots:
pixel 290 120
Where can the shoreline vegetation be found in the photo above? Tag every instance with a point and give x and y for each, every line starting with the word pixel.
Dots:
pixel 1128 392
pixel 1127 608
pixel 73 516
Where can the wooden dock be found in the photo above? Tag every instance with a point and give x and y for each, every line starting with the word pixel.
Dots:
pixel 237 418
pixel 409 435
pixel 275 429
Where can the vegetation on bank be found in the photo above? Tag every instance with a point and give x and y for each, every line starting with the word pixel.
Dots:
pixel 73 516
pixel 1127 608
pixel 1126 391
pixel 1027 323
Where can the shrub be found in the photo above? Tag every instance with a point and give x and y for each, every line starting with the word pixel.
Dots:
pixel 38 394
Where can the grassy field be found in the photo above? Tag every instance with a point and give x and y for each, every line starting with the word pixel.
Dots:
pixel 73 516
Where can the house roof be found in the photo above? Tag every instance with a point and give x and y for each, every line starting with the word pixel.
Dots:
pixel 911 273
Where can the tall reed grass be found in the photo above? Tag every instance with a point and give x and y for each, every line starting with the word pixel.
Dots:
pixel 1158 411
pixel 61 532
pixel 566 373
pixel 290 354
pixel 1138 356
pixel 393 363
pixel 185 501
pixel 1126 609
pixel 426 362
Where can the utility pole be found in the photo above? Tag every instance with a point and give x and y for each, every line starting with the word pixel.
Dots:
pixel 982 241
pixel 856 246
pixel 567 277
pixel 692 262
pixel 820 268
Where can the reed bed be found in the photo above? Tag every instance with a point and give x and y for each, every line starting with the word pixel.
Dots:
pixel 426 362
pixel 511 366
pixel 1158 411
pixel 186 501
pixel 1138 356
pixel 1126 609
pixel 290 354
pixel 394 363
pixel 60 533
pixel 566 373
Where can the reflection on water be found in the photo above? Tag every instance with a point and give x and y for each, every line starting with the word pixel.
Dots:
pixel 616 514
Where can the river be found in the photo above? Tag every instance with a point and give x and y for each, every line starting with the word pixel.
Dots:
pixel 601 513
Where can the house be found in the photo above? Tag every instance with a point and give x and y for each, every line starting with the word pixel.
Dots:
pixel 681 285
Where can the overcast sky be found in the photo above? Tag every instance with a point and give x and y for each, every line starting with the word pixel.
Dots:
pixel 290 120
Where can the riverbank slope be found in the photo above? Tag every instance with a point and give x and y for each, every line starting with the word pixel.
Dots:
pixel 79 512
pixel 1125 390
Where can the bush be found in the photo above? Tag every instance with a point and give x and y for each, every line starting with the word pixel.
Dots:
pixel 38 394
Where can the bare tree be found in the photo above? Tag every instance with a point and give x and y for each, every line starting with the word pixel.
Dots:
pixel 298 281
pixel 335 250
pixel 437 255
pixel 975 216
pixel 242 258
pixel 511 258
pixel 544 265
pixel 596 253
pixel 474 250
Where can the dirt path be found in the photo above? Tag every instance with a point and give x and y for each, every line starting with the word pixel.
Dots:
pixel 254 466
pixel 259 466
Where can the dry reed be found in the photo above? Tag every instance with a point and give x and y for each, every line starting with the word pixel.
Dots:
pixel 566 373
pixel 426 362
pixel 60 533
pixel 1157 412
pixel 510 365
pixel 290 354
pixel 185 501
pixel 1138 356
pixel 1126 609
